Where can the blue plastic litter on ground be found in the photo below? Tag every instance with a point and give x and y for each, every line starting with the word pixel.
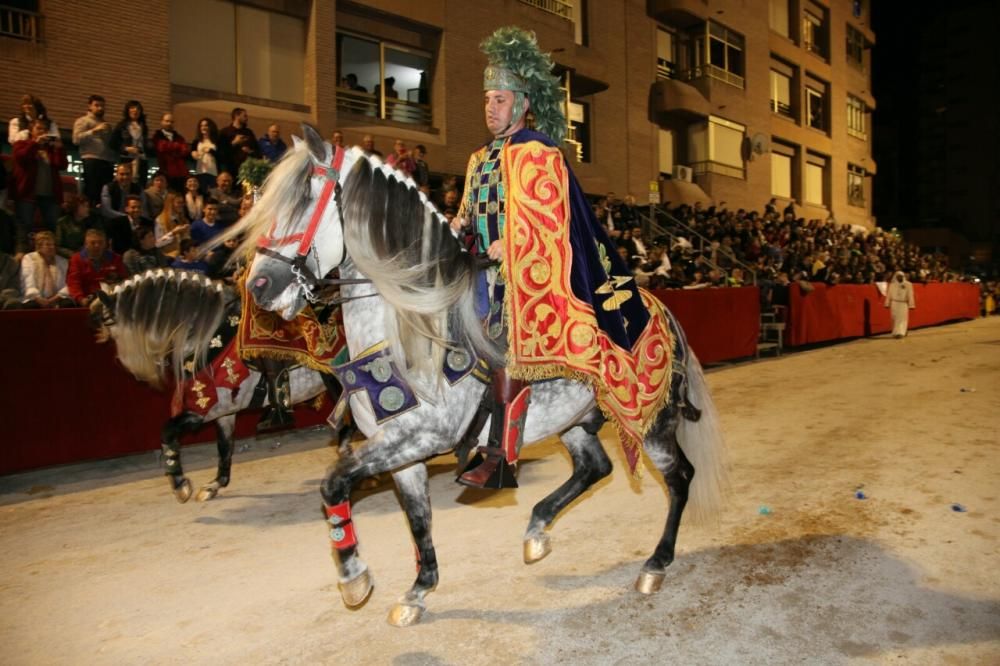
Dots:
pixel 958 508
pixel 764 510
pixel 860 494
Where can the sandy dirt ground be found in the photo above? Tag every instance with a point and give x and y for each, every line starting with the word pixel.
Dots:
pixel 100 565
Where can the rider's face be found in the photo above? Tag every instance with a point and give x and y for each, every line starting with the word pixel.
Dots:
pixel 499 108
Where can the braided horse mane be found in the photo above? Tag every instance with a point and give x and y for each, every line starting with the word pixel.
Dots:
pixel 162 317
pixel 399 240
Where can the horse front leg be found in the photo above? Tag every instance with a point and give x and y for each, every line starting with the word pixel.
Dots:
pixel 414 493
pixel 224 428
pixel 355 582
pixel 170 445
pixel 590 465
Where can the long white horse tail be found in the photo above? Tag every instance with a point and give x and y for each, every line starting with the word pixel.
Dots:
pixel 705 447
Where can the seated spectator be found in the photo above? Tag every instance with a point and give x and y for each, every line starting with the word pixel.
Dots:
pixel 227 199
pixel 207 227
pixel 189 260
pixel 171 153
pixel 194 201
pixel 144 254
pixel 152 206
pixel 10 282
pixel 71 227
pixel 32 109
pixel 122 228
pixel 37 184
pixel 421 172
pixel 113 194
pixel 172 225
pixel 43 275
pixel 91 266
pixel 272 146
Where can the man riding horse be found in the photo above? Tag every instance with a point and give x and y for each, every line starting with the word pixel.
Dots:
pixel 561 299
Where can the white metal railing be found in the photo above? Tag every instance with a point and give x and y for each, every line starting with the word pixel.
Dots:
pixel 367 104
pixel 563 8
pixel 20 24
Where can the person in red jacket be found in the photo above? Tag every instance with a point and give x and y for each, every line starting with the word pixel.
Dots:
pixel 37 162
pixel 171 153
pixel 91 266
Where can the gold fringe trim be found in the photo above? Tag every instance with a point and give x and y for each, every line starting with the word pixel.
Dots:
pixel 299 357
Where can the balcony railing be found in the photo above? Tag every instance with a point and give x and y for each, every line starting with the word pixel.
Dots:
pixel 563 8
pixel 20 24
pixel 782 108
pixel 708 166
pixel 396 109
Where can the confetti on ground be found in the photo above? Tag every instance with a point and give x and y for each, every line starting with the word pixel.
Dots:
pixel 958 508
pixel 764 510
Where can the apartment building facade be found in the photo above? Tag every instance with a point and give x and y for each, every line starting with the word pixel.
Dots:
pixel 747 104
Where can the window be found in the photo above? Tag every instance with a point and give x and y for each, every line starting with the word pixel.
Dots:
pixel 815 180
pixel 725 55
pixel 781 94
pixel 783 168
pixel 252 51
pixel 778 16
pixel 666 54
pixel 384 80
pixel 716 147
pixel 815 108
pixel 21 20
pixel 856 113
pixel 666 151
pixel 855 48
pixel 855 185
pixel 814 30
pixel 579 129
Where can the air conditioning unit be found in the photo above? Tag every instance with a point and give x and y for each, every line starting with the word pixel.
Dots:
pixel 684 173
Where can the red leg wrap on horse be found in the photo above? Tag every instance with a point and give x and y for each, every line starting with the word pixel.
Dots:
pixel 341 526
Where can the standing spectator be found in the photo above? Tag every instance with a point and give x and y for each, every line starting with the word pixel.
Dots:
pixel 205 151
pixel 227 199
pixel 368 146
pixel 900 300
pixel 155 193
pixel 129 140
pixel 207 227
pixel 338 138
pixel 400 159
pixel 32 109
pixel 94 264
pixel 172 225
pixel 43 275
pixel 194 201
pixel 171 153
pixel 37 162
pixel 92 135
pixel 144 255
pixel 114 193
pixel 237 141
pixel 272 146
pixel 421 172
pixel 72 226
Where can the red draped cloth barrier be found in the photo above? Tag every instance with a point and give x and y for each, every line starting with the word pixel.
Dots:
pixel 720 323
pixel 851 311
pixel 66 398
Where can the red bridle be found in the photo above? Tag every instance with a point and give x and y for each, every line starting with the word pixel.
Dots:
pixel 268 242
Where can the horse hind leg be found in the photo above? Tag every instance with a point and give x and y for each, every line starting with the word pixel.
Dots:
pixel 590 465
pixel 170 446
pixel 224 428
pixel 665 453
pixel 414 495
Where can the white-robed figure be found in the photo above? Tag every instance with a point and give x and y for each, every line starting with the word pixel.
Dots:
pixel 899 299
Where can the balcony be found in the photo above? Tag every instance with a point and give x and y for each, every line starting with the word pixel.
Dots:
pixel 561 8
pixel 363 104
pixel 672 99
pixel 678 13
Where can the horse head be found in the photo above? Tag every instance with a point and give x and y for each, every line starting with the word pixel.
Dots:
pixel 296 227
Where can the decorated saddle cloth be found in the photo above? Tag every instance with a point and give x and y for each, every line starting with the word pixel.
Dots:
pixel 571 306
pixel 315 340
pixel 224 369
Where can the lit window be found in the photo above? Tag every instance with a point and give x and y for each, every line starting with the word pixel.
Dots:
pixel 856 117
pixel 781 94
pixel 399 90
pixel 855 185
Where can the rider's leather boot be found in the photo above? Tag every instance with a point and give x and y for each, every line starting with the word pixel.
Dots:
pixel 495 465
pixel 278 414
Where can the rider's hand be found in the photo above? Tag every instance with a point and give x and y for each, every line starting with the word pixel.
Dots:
pixel 495 250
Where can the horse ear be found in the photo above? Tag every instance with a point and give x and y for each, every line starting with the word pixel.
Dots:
pixel 314 142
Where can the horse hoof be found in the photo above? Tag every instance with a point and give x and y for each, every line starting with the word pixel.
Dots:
pixel 405 615
pixel 183 491
pixel 207 492
pixel 356 591
pixel 649 582
pixel 537 548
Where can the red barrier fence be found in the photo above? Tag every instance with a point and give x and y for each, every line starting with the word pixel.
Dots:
pixel 852 311
pixel 720 324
